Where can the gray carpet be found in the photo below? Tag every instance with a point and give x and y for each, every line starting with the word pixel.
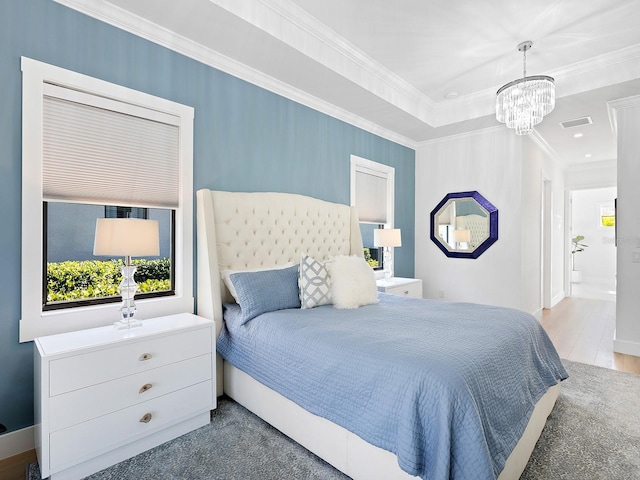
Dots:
pixel 593 433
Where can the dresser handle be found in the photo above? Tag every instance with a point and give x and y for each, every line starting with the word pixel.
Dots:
pixel 145 356
pixel 146 418
pixel 145 387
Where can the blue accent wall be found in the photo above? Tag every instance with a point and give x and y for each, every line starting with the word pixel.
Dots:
pixel 246 139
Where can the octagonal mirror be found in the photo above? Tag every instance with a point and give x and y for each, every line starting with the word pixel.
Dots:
pixel 464 225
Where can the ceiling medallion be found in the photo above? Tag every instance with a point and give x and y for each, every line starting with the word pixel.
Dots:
pixel 523 103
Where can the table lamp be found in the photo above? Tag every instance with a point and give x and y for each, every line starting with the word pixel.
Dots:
pixel 387 238
pixel 127 237
pixel 462 236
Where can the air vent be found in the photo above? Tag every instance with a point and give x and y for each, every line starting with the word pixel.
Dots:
pixel 577 122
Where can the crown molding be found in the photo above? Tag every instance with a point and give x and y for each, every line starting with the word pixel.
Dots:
pixel 614 105
pixel 463 135
pixel 542 144
pixel 108 13
pixel 601 71
pixel 608 64
pixel 298 29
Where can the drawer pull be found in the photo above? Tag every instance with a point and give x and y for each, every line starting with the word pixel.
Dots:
pixel 146 418
pixel 145 356
pixel 145 387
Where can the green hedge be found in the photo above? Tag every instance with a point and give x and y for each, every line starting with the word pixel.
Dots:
pixel 373 263
pixel 95 279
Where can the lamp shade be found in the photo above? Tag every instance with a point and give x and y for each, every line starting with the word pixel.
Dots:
pixel 462 236
pixel 124 237
pixel 387 237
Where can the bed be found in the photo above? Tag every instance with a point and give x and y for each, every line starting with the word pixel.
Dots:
pixel 243 232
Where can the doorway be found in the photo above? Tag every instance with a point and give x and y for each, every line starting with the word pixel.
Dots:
pixel 593 265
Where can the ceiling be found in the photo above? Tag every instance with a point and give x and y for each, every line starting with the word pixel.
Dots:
pixel 411 70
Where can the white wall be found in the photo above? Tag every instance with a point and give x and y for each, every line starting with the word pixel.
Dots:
pixel 538 167
pixel 592 175
pixel 627 337
pixel 507 170
pixel 598 261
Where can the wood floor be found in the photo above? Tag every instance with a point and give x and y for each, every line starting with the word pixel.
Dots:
pixel 15 468
pixel 581 330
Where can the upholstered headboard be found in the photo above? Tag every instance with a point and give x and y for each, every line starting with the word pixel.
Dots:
pixel 240 231
pixel 478 226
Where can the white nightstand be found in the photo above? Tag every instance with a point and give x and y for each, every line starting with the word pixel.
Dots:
pixel 103 395
pixel 409 287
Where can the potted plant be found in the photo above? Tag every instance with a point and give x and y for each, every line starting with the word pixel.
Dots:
pixel 576 247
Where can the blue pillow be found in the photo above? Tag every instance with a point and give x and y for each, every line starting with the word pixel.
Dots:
pixel 266 291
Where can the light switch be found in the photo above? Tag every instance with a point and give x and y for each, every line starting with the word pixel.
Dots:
pixel 636 257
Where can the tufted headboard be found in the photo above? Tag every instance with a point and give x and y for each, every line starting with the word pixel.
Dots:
pixel 239 230
pixel 478 225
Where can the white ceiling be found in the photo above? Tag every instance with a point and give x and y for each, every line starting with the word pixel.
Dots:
pixel 389 66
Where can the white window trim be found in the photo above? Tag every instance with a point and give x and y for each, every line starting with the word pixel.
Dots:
pixel 359 164
pixel 34 322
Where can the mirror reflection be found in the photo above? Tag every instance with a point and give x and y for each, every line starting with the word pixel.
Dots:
pixel 464 224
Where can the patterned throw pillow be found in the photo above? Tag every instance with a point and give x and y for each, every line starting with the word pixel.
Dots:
pixel 314 283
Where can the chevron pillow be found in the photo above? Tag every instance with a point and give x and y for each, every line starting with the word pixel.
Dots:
pixel 314 283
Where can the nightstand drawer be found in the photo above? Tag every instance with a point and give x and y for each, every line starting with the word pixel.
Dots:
pixel 75 444
pixel 409 290
pixel 80 371
pixel 81 405
pixel 407 287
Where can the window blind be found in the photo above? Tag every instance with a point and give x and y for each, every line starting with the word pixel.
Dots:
pixel 98 153
pixel 371 197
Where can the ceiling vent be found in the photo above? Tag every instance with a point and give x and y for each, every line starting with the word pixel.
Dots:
pixel 577 122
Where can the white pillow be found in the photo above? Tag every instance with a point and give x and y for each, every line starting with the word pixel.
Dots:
pixel 313 282
pixel 353 282
pixel 227 281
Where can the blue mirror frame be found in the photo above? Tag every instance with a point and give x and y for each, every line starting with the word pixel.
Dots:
pixel 492 212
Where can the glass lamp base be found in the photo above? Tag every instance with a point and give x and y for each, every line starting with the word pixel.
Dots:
pixel 388 265
pixel 128 289
pixel 388 276
pixel 127 324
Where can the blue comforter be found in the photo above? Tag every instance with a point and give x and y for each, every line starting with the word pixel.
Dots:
pixel 447 387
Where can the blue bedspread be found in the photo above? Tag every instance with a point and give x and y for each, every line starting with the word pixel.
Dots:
pixel 447 387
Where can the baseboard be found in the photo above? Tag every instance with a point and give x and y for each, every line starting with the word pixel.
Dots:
pixel 13 443
pixel 558 298
pixel 628 348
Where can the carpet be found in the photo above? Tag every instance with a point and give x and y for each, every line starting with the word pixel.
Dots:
pixel 593 433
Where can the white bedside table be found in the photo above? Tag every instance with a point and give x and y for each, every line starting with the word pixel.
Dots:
pixel 103 395
pixel 408 287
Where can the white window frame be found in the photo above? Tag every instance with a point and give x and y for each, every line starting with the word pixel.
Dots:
pixel 34 322
pixel 359 164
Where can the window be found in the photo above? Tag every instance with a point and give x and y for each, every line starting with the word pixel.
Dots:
pixel 606 215
pixel 94 149
pixel 74 277
pixel 372 191
pixel 112 211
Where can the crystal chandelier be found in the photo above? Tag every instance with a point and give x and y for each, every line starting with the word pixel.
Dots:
pixel 521 104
